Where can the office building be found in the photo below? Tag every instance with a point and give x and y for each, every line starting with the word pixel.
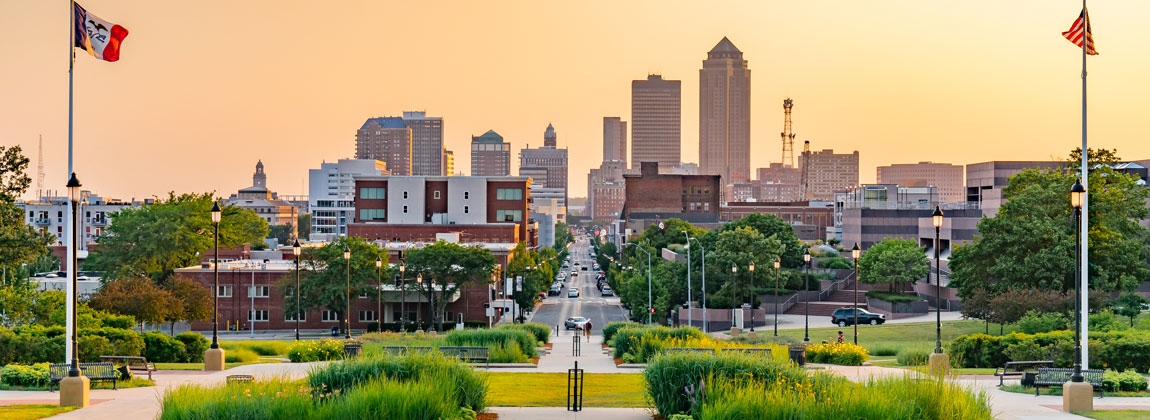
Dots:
pixel 945 177
pixel 652 196
pixel 724 114
pixel 810 222
pixel 385 139
pixel 490 156
pixel 614 139
pixel 985 181
pixel 547 167
pixel 51 214
pixel 825 172
pixel 265 202
pixel 656 112
pixel 870 213
pixel 448 162
pixel 606 190
pixel 779 183
pixel 426 143
pixel 331 194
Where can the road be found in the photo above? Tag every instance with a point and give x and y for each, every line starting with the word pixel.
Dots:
pixel 590 303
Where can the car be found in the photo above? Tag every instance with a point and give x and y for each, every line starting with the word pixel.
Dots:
pixel 607 291
pixel 554 291
pixel 572 293
pixel 595 266
pixel 584 268
pixel 575 322
pixel 845 316
pixel 574 273
pixel 576 263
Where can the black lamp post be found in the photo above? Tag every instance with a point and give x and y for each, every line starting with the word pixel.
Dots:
pixel 937 220
pixel 296 250
pixel 74 198
pixel 734 290
pixel 402 297
pixel 777 265
pixel 217 215
pixel 855 255
pixel 347 258
pixel 754 296
pixel 379 293
pixel 1077 193
pixel 807 302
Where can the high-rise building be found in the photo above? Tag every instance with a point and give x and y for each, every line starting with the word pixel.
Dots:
pixel 386 139
pixel 426 143
pixel 448 162
pixel 825 172
pixel 606 190
pixel 985 181
pixel 724 114
pixel 656 112
pixel 490 156
pixel 550 139
pixel 779 183
pixel 547 167
pixel 652 196
pixel 945 177
pixel 614 139
pixel 331 194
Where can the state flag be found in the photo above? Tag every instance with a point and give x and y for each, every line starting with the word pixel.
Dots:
pixel 98 37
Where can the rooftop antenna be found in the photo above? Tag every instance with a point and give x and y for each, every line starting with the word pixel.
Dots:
pixel 788 158
pixel 40 168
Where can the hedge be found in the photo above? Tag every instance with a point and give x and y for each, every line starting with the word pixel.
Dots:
pixel 1118 350
pixel 35 344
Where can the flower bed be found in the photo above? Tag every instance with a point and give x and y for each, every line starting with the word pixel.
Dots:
pixel 846 354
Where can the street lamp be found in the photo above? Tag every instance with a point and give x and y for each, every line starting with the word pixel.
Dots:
pixel 936 218
pixel 777 265
pixel 751 268
pixel 214 355
pixel 74 388
pixel 704 269
pixel 402 297
pixel 419 282
pixel 855 255
pixel 687 247
pixel 347 259
pixel 379 293
pixel 807 302
pixel 1077 197
pixel 650 307
pixel 734 286
pixel 296 250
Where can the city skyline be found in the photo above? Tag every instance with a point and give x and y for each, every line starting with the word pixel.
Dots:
pixel 973 84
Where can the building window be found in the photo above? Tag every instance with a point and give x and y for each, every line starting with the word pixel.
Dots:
pixel 290 316
pixel 404 209
pixel 509 194
pixel 260 315
pixel 368 316
pixel 224 291
pixel 373 193
pixel 707 206
pixel 437 195
pixel 260 292
pixel 509 215
pixel 329 316
pixel 466 209
pixel 467 195
pixel 372 214
pixel 405 195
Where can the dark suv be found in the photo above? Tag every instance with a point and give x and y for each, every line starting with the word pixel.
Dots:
pixel 845 316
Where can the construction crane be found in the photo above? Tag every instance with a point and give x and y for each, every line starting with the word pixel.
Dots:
pixel 788 159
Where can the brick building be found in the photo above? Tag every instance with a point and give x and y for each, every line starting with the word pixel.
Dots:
pixel 388 140
pixel 810 223
pixel 825 172
pixel 944 176
pixel 651 195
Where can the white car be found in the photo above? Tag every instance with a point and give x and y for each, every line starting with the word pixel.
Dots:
pixel 576 322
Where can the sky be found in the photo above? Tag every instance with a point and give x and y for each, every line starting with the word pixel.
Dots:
pixel 205 89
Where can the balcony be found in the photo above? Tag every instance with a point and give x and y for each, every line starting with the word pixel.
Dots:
pixel 99 221
pixel 42 221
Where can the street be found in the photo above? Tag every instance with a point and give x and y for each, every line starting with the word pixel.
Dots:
pixel 590 303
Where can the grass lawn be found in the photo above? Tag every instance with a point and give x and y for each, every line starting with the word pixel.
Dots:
pixel 954 371
pixel 1057 391
pixel 31 411
pixel 136 382
pixel 918 334
pixel 1115 414
pixel 550 390
pixel 200 366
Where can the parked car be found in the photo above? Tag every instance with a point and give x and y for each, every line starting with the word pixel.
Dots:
pixel 574 273
pixel 607 291
pixel 845 316
pixel 584 268
pixel 575 322
pixel 572 293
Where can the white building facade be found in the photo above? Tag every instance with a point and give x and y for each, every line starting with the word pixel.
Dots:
pixel 331 194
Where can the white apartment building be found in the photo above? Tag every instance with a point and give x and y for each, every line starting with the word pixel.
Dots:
pixel 331 195
pixel 51 214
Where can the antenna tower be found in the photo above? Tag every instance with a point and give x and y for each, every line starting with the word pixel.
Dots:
pixel 40 168
pixel 788 136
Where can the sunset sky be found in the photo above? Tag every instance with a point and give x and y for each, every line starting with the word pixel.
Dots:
pixel 205 89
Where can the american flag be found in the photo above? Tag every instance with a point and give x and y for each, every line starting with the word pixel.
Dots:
pixel 1081 29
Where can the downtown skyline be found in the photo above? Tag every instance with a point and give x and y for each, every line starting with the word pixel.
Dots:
pixel 200 94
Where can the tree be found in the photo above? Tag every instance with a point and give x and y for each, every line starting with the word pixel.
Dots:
pixel 325 276
pixel 155 240
pixel 139 297
pixel 448 268
pixel 739 247
pixel 1030 243
pixel 281 233
pixel 19 243
pixel 190 302
pixel 13 177
pixel 538 268
pixel 895 261
pixel 1129 305
pixel 304 223
pixel 772 225
pixel 977 306
pixel 562 236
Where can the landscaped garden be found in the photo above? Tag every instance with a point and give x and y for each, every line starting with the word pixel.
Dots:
pixel 515 343
pixel 636 343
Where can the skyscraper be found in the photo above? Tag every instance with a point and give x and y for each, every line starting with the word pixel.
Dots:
pixel 724 114
pixel 385 139
pixel 945 177
pixel 448 162
pixel 656 109
pixel 614 139
pixel 825 172
pixel 490 156
pixel 426 143
pixel 550 139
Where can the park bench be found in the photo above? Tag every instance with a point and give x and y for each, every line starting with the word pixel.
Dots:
pixel 134 363
pixel 96 372
pixel 240 379
pixel 351 349
pixel 468 354
pixel 1020 369
pixel 689 349
pixel 402 350
pixel 710 350
pixel 756 351
pixel 1050 377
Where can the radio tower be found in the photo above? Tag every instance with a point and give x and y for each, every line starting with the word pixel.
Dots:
pixel 788 136
pixel 40 168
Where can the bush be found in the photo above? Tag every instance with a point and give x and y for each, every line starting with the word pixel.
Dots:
pixel 31 345
pixel 884 350
pixel 262 348
pixel 279 398
pixel 494 337
pixel 1106 321
pixel 541 332
pixel 1120 350
pixel 913 357
pixel 893 297
pixel 1129 381
pixel 92 347
pixel 845 354
pixel 194 346
pixel 467 386
pixel 1035 322
pixel 32 376
pixel 668 375
pixel 239 356
pixel 124 342
pixel 163 348
pixel 627 339
pixel 612 327
pixel 315 351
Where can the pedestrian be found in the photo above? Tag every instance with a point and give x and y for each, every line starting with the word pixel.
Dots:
pixel 587 330
pixel 841 339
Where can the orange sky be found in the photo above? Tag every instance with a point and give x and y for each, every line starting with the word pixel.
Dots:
pixel 204 89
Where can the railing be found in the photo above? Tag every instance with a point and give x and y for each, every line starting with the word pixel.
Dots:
pixel 41 221
pixel 834 287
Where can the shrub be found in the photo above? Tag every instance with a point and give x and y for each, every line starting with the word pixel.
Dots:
pixel 92 347
pixel 194 346
pixel 913 357
pixel 163 348
pixel 506 353
pixel 32 376
pixel 315 351
pixel 1129 381
pixel 668 375
pixel 542 333
pixel 262 348
pixel 494 337
pixel 612 327
pixel 279 398
pixel 1120 350
pixel 884 350
pixel 125 342
pixel 846 354
pixel 1106 321
pixel 627 339
pixel 31 345
pixel 893 297
pixel 239 356
pixel 1035 322
pixel 467 386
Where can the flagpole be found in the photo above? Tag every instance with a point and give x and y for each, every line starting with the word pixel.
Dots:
pixel 1086 38
pixel 70 305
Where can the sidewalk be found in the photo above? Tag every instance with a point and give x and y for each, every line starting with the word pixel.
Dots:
pixel 561 413
pixel 591 358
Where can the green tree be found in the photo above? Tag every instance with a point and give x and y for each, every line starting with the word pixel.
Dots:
pixel 155 240
pixel 1030 243
pixel 772 225
pixel 304 223
pixel 448 268
pixel 281 233
pixel 190 302
pixel 895 261
pixel 739 247
pixel 562 236
pixel 325 276
pixel 139 297
pixel 538 268
pixel 13 177
pixel 19 243
pixel 1129 305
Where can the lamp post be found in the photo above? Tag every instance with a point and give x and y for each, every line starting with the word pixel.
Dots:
pixel 296 250
pixel 704 252
pixel 650 308
pixel 379 293
pixel 419 282
pixel 687 247
pixel 347 318
pixel 1077 193
pixel 74 388
pixel 754 297
pixel 807 302
pixel 214 355
pixel 855 255
pixel 939 363
pixel 777 265
pixel 402 297
pixel 734 287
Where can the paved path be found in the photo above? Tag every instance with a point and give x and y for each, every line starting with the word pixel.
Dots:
pixel 592 359
pixel 554 310
pixel 561 413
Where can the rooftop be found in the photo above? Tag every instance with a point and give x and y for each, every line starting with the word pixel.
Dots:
pixel 384 122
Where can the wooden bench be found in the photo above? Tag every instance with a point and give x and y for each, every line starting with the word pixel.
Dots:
pixel 1020 368
pixel 1050 377
pixel 134 363
pixel 757 351
pixel 96 372
pixel 468 354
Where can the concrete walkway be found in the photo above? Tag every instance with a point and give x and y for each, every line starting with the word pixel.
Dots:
pixel 561 413
pixel 592 359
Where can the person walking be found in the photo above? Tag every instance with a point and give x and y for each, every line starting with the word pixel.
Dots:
pixel 841 339
pixel 587 330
